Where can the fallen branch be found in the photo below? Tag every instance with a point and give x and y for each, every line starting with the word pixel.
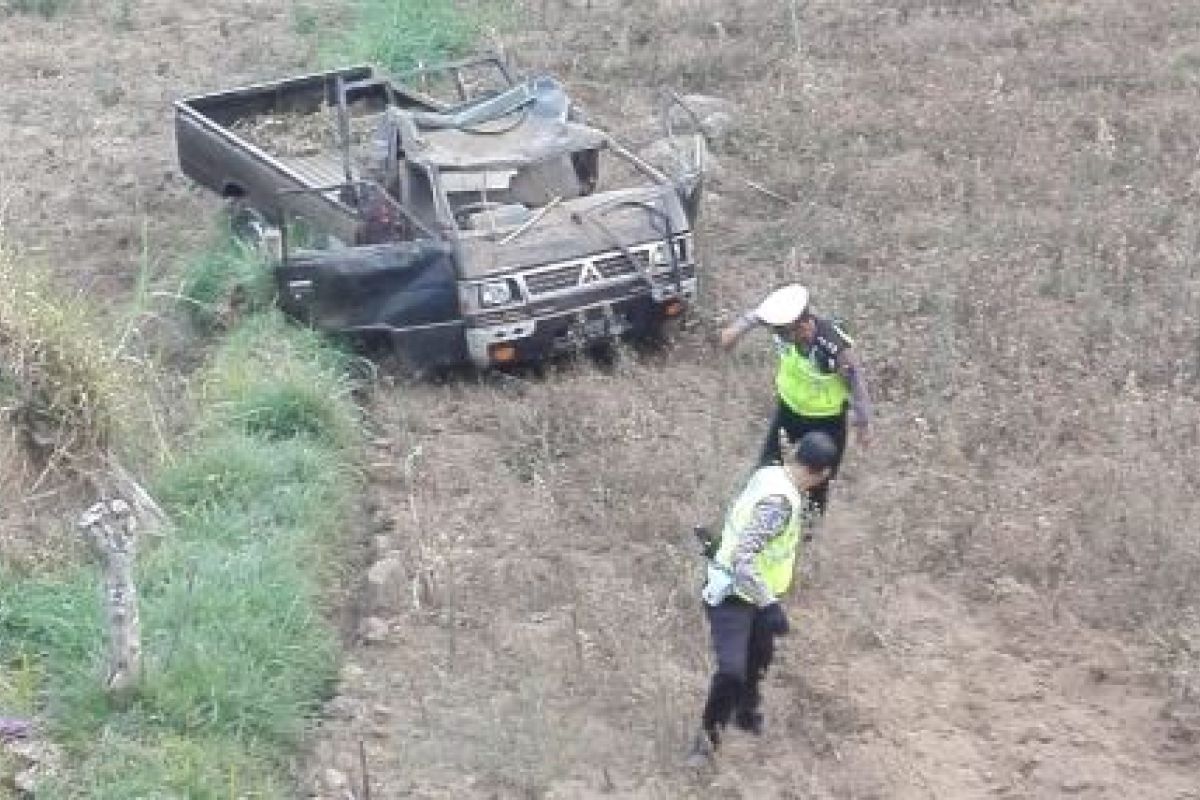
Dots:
pixel 764 190
pixel 533 220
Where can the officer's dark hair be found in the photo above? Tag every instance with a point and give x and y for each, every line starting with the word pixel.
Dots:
pixel 817 450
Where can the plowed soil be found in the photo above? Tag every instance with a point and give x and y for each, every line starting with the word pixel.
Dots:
pixel 1001 197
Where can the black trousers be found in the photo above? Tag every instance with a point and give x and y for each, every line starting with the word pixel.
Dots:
pixel 743 650
pixel 795 426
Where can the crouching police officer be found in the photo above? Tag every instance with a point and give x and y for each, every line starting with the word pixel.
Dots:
pixel 750 568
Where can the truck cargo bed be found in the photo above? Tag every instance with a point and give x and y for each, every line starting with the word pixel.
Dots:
pixel 318 170
pixel 263 142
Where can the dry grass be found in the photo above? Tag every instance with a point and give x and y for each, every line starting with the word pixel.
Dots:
pixel 1001 197
pixel 62 396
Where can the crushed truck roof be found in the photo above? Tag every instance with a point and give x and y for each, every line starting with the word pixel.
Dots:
pixel 524 125
pixel 530 141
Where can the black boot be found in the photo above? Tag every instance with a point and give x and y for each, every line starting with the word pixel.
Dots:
pixel 749 721
pixel 747 717
pixel 723 697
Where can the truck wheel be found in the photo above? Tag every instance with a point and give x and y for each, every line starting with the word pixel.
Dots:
pixel 246 224
pixel 605 354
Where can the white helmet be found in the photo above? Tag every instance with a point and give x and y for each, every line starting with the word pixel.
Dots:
pixel 783 306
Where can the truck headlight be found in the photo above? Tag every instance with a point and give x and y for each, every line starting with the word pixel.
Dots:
pixel 658 255
pixel 498 293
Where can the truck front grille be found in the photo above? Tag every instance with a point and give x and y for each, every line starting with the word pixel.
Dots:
pixel 553 280
pixel 580 273
pixel 612 266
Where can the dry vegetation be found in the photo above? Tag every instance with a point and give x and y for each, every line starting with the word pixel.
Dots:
pixel 63 395
pixel 1001 197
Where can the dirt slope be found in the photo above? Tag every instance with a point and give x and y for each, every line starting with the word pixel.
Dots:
pixel 1001 196
pixel 540 637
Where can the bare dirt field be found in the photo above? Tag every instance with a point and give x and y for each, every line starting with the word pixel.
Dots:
pixel 1001 197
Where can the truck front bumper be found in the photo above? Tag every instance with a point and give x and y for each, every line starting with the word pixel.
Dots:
pixel 533 337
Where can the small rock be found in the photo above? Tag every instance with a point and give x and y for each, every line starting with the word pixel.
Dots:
pixel 703 105
pixel 381 545
pixel 26 782
pixel 13 728
pixel 717 127
pixel 351 676
pixel 374 630
pixel 383 571
pixel 334 781
pixel 714 117
pixel 1076 785
pixel 1007 587
pixel 383 584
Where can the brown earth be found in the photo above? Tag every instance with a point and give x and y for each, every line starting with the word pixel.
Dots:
pixel 1002 197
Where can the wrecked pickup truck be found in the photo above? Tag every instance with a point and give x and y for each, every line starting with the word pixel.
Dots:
pixel 492 228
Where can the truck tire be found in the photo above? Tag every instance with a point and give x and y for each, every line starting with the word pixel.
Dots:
pixel 246 224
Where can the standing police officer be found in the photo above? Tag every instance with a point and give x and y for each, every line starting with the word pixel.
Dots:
pixel 750 569
pixel 819 382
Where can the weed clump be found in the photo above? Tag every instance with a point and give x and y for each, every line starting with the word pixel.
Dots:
pixel 402 34
pixel 42 8
pixel 63 385
pixel 224 284
pixel 276 381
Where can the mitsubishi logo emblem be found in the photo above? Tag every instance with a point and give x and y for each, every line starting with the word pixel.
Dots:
pixel 589 274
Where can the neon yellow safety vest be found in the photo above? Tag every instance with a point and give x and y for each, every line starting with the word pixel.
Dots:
pixel 806 389
pixel 778 557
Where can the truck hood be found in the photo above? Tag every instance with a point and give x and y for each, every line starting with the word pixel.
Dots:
pixel 575 229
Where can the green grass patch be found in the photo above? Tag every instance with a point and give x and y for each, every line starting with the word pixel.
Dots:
pixel 238 651
pixel 398 35
pixel 225 283
pixel 42 8
pixel 277 381
pixel 127 765
pixel 58 369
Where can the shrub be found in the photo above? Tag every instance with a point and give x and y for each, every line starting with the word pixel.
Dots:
pixel 400 34
pixel 224 283
pixel 64 381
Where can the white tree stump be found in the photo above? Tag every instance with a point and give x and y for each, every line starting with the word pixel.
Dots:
pixel 111 528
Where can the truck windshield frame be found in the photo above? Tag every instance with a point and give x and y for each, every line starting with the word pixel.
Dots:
pixel 356 187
